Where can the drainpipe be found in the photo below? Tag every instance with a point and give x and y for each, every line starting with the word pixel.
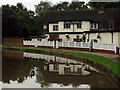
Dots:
pixel 88 37
pixel 112 37
pixel 73 28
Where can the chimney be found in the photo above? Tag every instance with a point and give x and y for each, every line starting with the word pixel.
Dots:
pixel 102 8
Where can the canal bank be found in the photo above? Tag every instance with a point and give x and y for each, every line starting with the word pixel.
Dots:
pixel 96 61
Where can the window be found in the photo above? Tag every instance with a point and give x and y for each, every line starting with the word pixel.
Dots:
pixel 66 25
pixel 79 25
pixel 94 26
pixel 55 27
pixel 55 67
pixel 79 70
pixel 91 25
pixel 67 69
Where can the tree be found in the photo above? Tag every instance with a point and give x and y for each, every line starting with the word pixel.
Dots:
pixel 17 21
pixel 42 7
pixel 76 5
pixel 97 5
pixel 61 6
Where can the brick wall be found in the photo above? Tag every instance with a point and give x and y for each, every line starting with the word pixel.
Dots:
pixel 12 41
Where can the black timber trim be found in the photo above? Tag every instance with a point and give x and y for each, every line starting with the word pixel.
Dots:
pixel 101 31
pixel 51 22
pixel 96 31
pixel 65 33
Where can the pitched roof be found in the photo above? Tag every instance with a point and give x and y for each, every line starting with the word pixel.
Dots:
pixel 92 15
pixel 87 15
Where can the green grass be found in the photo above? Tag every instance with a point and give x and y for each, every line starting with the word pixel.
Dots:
pixel 118 58
pixel 99 59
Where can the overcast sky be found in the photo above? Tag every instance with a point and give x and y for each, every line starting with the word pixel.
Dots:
pixel 30 4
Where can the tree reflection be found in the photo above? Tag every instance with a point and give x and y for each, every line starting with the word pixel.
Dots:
pixel 17 69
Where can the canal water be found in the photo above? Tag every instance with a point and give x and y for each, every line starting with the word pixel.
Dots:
pixel 32 70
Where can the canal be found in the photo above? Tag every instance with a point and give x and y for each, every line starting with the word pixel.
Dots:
pixel 32 70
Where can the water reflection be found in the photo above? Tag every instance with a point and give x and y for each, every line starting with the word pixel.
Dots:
pixel 69 68
pixel 38 70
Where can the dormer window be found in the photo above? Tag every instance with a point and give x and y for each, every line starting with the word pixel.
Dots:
pixel 55 27
pixel 94 26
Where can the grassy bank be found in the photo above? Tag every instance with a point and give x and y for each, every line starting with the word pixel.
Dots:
pixel 99 59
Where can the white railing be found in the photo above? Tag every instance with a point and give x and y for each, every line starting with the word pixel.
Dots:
pixel 105 46
pixel 38 43
pixel 73 44
pixel 48 57
pixel 101 46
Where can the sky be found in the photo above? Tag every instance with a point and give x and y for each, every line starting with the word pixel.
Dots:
pixel 30 4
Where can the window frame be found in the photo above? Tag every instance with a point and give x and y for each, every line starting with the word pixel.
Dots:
pixel 67 25
pixel 94 26
pixel 79 25
pixel 55 28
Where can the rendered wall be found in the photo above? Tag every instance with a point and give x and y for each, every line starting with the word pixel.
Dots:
pixel 85 27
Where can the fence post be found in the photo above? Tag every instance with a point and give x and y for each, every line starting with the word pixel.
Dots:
pixel 74 44
pixel 57 44
pixel 81 44
pixel 68 43
pixel 115 48
pixel 35 43
pixel 53 44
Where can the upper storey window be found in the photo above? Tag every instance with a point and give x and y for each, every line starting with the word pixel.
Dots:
pixel 94 26
pixel 66 25
pixel 55 27
pixel 79 25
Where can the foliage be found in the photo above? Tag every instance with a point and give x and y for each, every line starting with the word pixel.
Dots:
pixel 42 7
pixel 97 5
pixel 18 20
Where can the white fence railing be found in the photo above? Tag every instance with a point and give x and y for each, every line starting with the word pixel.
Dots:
pixel 104 46
pixel 101 46
pixel 73 44
pixel 38 43
pixel 48 57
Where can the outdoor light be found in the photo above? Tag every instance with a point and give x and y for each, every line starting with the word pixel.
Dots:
pixel 46 35
pixel 96 33
pixel 84 33
pixel 44 27
pixel 67 35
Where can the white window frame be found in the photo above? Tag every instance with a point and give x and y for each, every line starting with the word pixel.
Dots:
pixel 55 28
pixel 79 25
pixel 67 25
pixel 92 26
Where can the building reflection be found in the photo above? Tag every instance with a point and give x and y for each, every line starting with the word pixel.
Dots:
pixel 62 66
pixel 46 70
pixel 66 68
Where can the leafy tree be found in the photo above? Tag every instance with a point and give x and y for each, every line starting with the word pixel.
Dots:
pixel 61 6
pixel 76 5
pixel 97 5
pixel 42 7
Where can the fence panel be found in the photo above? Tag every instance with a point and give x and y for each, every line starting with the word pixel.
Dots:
pixel 102 46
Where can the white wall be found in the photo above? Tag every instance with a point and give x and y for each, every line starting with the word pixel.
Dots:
pixel 85 27
pixel 119 38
